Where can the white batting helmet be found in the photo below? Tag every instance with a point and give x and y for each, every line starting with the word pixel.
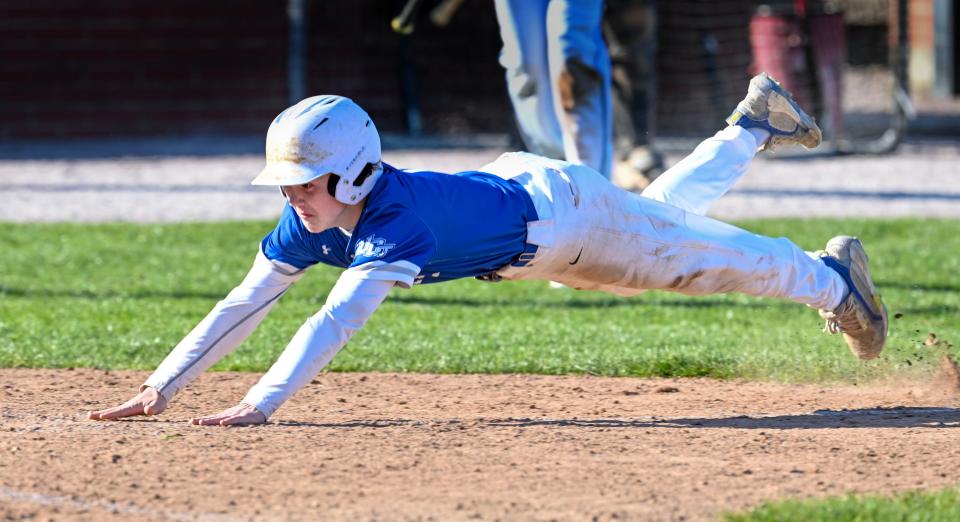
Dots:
pixel 324 135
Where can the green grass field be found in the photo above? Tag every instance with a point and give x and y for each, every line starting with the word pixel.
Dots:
pixel 939 506
pixel 122 295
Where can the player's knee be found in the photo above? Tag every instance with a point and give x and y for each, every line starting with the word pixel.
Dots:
pixel 521 81
pixel 526 86
pixel 576 83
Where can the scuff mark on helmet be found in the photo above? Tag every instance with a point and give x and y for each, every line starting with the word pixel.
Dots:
pixel 295 150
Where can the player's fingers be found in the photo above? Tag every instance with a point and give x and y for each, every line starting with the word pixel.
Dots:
pixel 111 413
pixel 244 419
pixel 241 414
pixel 204 421
pixel 127 409
pixel 211 420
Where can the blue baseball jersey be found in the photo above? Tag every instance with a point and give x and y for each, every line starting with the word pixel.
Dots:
pixel 418 227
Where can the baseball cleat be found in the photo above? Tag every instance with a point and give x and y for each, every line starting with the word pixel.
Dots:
pixel 861 317
pixel 771 107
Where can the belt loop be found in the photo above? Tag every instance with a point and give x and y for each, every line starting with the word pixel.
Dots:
pixel 529 252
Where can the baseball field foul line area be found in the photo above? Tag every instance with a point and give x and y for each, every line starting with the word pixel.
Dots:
pixel 452 447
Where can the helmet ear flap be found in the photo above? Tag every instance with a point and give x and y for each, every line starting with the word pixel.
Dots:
pixel 364 174
pixel 332 181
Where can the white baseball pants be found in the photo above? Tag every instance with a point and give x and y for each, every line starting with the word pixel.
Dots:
pixel 594 236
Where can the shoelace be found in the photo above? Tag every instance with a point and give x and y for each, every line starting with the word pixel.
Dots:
pixel 843 319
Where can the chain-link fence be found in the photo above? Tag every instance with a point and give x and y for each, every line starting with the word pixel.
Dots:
pixel 843 60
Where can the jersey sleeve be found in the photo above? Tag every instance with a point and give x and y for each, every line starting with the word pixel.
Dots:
pixel 394 245
pixel 291 243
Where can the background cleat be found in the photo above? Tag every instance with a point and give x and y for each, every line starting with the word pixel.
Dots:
pixel 862 316
pixel 641 167
pixel 771 107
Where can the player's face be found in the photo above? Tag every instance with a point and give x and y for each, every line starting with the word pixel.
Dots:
pixel 317 209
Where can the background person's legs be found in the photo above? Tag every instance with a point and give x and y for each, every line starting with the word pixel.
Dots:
pixel 580 75
pixel 523 29
pixel 630 28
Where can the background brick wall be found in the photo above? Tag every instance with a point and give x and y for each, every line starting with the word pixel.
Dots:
pixel 179 67
pixel 458 83
pixel 78 69
pixel 101 68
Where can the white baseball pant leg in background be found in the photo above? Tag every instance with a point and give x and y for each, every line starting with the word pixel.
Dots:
pixel 594 236
pixel 558 77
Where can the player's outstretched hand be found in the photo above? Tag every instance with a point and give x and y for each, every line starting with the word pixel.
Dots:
pixel 147 402
pixel 240 415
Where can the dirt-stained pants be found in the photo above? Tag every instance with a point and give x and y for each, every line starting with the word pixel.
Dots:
pixel 594 236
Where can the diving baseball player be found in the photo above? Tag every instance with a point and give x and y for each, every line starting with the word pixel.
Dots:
pixel 520 217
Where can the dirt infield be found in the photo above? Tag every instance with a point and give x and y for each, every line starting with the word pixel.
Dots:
pixel 443 447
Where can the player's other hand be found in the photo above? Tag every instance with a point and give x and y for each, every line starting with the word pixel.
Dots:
pixel 240 415
pixel 147 402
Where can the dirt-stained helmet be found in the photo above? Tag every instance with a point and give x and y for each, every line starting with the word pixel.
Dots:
pixel 324 135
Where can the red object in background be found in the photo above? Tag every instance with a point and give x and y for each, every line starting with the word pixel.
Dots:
pixel 800 7
pixel 778 43
pixel 778 49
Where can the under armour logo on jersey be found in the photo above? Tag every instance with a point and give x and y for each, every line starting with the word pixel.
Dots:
pixel 373 246
pixel 326 250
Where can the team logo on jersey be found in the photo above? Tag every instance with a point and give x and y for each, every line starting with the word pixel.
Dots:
pixel 373 246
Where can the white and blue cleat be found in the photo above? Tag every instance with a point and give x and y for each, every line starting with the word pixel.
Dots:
pixel 770 107
pixel 861 316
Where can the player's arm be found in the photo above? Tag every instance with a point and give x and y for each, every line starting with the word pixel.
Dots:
pixel 350 303
pixel 218 334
